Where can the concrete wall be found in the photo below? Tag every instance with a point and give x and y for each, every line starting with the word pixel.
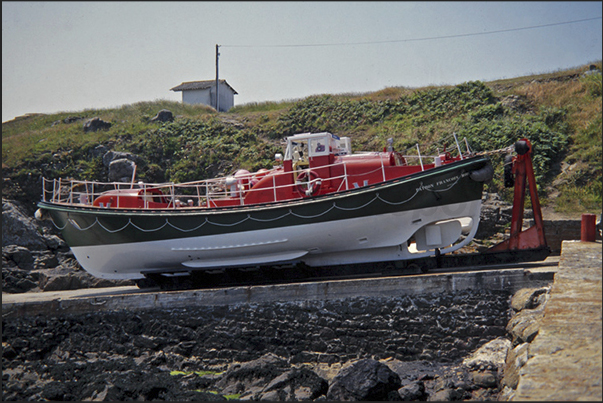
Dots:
pixel 558 231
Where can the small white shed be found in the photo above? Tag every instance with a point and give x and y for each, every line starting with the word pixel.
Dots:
pixel 204 92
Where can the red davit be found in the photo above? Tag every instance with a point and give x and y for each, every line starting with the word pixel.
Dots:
pixel 533 237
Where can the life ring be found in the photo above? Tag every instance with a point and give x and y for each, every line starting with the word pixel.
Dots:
pixel 308 183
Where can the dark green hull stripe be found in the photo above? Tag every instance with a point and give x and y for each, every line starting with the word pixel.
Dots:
pixel 86 226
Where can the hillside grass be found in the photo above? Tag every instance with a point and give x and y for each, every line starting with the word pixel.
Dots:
pixel 559 112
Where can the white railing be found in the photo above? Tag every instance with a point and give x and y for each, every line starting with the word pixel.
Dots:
pixel 207 192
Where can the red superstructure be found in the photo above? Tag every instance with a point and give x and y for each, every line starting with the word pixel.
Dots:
pixel 318 164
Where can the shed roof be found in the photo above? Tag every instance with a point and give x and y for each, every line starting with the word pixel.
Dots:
pixel 200 85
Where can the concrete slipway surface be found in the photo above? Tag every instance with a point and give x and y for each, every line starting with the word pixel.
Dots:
pixel 565 356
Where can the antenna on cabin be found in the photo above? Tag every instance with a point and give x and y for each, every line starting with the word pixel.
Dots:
pixel 217 81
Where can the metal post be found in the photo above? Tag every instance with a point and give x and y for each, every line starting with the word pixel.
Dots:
pixel 420 158
pixel 469 151
pixel 274 186
pixel 588 228
pixel 457 146
pixel 345 174
pixel 217 80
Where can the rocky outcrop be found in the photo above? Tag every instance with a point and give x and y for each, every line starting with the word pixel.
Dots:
pixel 96 124
pixel 111 156
pixel 293 385
pixel 67 120
pixel 120 165
pixel 19 229
pixel 365 380
pixel 36 259
pixel 486 366
pixel 163 115
pixel 121 170
pixel 528 306
pixel 494 216
pixel 271 378
pixel 356 348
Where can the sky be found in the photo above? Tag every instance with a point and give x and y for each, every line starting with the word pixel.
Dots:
pixel 71 56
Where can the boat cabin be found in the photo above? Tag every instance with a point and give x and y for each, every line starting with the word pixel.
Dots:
pixel 315 149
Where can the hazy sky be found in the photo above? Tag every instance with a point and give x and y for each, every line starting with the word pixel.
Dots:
pixel 71 56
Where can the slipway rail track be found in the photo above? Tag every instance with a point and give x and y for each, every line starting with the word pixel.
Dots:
pixel 508 277
pixel 263 275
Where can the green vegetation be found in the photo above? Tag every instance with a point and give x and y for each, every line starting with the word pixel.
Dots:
pixel 234 396
pixel 198 373
pixel 560 113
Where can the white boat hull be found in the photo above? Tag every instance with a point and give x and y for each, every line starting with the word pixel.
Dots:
pixel 379 237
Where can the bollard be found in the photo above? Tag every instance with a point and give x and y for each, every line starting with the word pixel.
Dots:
pixel 587 233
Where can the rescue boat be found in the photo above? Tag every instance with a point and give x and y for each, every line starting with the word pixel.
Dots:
pixel 320 204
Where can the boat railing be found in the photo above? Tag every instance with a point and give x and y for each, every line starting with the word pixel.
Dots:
pixel 210 192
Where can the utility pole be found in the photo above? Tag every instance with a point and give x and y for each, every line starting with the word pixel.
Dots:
pixel 217 80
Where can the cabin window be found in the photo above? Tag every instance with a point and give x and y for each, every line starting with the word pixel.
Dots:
pixel 153 197
pixel 318 147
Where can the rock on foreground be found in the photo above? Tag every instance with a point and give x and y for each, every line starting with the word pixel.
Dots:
pixel 34 258
pixel 403 348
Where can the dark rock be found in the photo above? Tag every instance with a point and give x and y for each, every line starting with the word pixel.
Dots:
pixel 366 379
pixel 295 384
pixel 46 261
pixel 125 355
pixel 8 353
pixel 55 243
pixel 15 280
pixel 447 395
pixel 110 156
pixel 57 391
pixel 486 379
pixel 60 282
pixel 26 284
pixel 96 124
pixel 494 215
pixel 99 151
pixel 64 278
pixel 20 255
pixel 251 377
pixel 20 229
pixel 71 119
pixel 121 170
pixel 413 391
pixel 163 115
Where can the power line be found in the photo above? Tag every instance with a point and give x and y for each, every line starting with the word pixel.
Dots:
pixel 415 39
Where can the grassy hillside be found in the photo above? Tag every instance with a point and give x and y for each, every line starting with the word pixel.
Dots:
pixel 560 113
